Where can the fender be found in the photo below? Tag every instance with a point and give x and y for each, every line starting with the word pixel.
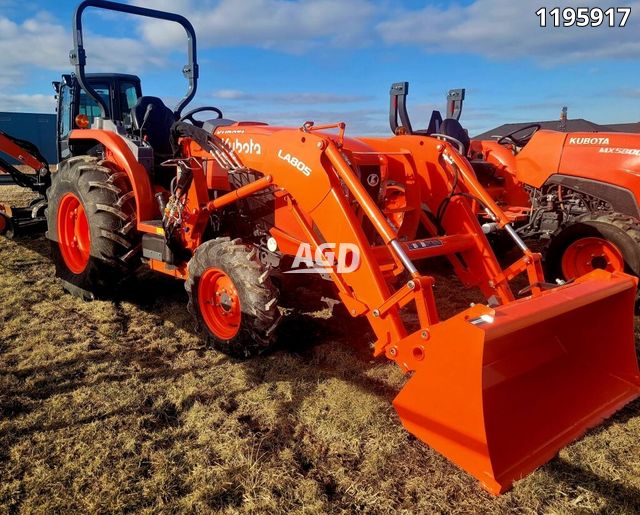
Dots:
pixel 121 154
pixel 621 199
pixel 540 158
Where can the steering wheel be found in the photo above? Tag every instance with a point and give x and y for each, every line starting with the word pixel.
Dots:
pixel 523 140
pixel 198 123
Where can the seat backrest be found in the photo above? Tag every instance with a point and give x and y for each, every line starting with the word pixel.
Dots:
pixel 451 127
pixel 157 126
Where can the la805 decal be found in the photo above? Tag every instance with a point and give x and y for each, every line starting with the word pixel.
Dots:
pixel 584 16
pixel 295 162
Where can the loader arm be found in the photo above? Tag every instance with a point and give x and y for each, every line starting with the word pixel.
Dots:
pixel 16 219
pixel 29 155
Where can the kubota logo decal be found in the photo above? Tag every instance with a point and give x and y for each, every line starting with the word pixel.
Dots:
pixel 244 147
pixel 588 141
pixel 231 131
pixel 373 180
pixel 341 258
pixel 295 162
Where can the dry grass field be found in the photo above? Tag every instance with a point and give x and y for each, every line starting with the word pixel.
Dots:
pixel 117 406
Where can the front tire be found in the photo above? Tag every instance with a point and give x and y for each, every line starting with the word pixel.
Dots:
pixel 91 224
pixel 232 298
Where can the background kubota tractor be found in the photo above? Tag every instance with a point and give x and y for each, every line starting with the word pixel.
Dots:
pixel 226 205
pixel 577 192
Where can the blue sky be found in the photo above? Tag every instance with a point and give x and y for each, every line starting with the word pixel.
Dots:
pixel 288 61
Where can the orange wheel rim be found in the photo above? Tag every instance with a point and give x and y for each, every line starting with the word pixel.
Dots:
pixel 219 303
pixel 74 239
pixel 587 254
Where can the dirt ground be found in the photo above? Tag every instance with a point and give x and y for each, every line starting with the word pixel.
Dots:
pixel 117 406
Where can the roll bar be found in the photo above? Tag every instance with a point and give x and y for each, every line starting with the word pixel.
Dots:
pixel 78 55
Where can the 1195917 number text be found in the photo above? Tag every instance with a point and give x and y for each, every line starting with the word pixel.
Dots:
pixel 584 16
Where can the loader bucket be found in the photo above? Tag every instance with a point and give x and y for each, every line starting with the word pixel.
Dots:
pixel 500 393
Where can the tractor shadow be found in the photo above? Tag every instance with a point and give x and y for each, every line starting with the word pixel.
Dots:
pixel 312 324
pixel 620 498
pixel 34 242
pixel 311 317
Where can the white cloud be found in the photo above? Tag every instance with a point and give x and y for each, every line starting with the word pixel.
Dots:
pixel 42 42
pixel 299 98
pixel 286 25
pixel 507 29
pixel 37 41
pixel 125 55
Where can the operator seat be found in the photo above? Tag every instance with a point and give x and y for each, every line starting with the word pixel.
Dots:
pixel 154 120
pixel 452 127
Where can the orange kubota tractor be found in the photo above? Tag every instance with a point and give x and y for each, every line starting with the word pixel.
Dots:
pixel 577 192
pixel 225 206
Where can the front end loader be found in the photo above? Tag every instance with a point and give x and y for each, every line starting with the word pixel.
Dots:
pixel 229 207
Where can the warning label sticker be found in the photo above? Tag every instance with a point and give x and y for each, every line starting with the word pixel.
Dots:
pixel 424 244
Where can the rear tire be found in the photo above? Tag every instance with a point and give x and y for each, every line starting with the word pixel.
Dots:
pixel 232 298
pixel 575 249
pixel 91 223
